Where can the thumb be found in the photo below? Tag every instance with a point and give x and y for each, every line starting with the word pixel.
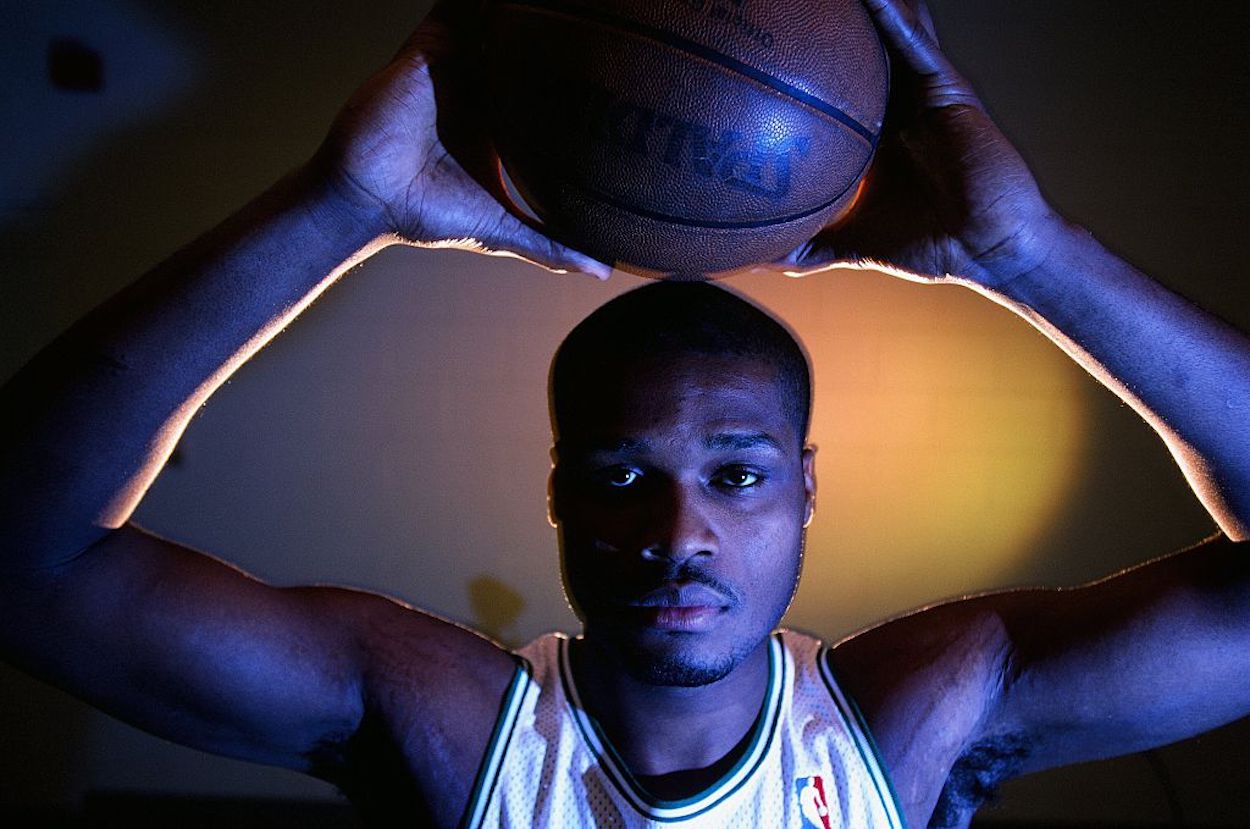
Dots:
pixel 513 237
pixel 907 30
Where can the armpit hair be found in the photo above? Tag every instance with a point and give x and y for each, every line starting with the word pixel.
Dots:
pixel 975 778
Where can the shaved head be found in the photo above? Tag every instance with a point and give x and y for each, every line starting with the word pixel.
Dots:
pixel 669 320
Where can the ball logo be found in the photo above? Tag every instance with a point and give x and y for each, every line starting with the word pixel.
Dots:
pixel 757 165
pixel 813 802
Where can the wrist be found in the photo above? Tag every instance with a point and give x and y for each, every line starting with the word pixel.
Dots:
pixel 340 208
pixel 1063 274
pixel 1041 251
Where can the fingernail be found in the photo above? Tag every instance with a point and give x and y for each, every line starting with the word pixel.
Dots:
pixel 595 268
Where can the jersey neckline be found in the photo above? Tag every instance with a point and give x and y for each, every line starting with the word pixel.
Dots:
pixel 624 781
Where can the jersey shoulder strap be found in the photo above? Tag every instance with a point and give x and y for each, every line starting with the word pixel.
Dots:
pixel 522 686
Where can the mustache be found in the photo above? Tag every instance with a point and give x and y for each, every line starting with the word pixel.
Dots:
pixel 665 575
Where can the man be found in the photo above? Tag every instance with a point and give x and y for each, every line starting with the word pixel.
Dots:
pixel 681 487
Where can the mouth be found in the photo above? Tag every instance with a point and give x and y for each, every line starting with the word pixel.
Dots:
pixel 678 607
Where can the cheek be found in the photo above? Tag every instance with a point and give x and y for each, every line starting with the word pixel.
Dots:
pixel 590 564
pixel 767 553
pixel 592 520
pixel 595 537
pixel 577 573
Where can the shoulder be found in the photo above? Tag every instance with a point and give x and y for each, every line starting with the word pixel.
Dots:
pixel 433 692
pixel 925 683
pixel 949 648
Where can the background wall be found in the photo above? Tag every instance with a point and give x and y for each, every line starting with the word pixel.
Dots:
pixel 395 437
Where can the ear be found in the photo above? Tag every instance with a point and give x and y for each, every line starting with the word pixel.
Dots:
pixel 809 483
pixel 553 512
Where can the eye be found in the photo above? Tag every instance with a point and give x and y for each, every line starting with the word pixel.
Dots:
pixel 737 477
pixel 620 477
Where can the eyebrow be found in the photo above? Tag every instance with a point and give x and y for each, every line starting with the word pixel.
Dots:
pixel 719 442
pixel 624 446
pixel 738 441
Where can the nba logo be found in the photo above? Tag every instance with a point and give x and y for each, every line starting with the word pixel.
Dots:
pixel 813 802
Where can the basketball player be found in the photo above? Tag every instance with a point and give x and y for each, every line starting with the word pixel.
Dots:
pixel 682 488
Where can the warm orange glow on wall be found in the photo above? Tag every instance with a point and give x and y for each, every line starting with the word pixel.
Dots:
pixel 948 432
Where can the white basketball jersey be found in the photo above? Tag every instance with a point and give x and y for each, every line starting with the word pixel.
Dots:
pixel 811 763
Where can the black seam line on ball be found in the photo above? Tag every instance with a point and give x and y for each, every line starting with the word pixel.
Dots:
pixel 612 201
pixel 707 224
pixel 701 51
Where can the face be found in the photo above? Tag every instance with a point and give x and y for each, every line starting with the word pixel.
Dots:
pixel 681 496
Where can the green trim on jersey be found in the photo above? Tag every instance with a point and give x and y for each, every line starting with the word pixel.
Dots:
pixel 497 747
pixel 654 808
pixel 864 742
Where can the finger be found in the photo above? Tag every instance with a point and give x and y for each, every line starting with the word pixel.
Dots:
pixel 926 18
pixel 447 24
pixel 905 29
pixel 818 254
pixel 516 238
pixel 916 53
pixel 460 90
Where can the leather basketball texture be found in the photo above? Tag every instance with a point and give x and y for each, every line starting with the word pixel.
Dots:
pixel 685 136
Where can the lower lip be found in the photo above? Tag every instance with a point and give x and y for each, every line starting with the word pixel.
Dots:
pixel 687 619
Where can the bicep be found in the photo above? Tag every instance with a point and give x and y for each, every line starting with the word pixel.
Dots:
pixel 1147 657
pixel 190 648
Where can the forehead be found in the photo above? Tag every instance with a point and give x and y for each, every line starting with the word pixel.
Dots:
pixel 689 396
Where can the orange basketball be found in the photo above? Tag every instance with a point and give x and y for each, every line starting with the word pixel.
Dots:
pixel 685 136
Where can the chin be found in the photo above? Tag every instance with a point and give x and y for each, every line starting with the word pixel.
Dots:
pixel 676 672
pixel 677 661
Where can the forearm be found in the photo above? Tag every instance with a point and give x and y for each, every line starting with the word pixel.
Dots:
pixel 89 422
pixel 1184 370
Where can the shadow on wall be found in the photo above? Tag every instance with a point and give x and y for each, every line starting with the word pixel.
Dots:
pixel 496 609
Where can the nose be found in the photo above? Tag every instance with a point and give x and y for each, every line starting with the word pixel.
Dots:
pixel 679 527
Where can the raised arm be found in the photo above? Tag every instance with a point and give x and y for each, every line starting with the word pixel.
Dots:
pixel 950 200
pixel 965 694
pixel 149 357
pixel 178 642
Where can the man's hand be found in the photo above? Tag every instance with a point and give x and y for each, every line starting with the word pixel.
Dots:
pixel 409 151
pixel 947 194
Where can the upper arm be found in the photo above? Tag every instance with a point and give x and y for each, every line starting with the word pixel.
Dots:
pixel 965 694
pixel 187 647
pixel 1149 656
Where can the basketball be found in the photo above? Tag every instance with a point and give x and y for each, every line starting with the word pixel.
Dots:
pixel 684 137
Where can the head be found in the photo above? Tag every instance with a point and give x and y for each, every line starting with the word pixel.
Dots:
pixel 683 481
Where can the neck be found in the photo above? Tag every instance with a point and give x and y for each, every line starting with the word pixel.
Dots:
pixel 675 740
